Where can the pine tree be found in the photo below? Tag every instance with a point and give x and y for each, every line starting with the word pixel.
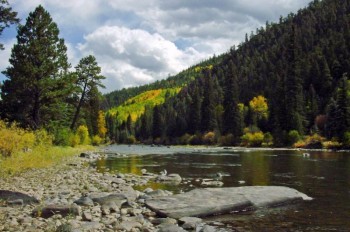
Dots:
pixel 88 78
pixel 158 129
pixel 232 122
pixel 293 86
pixel 332 124
pixel 37 77
pixel 195 111
pixel 209 122
pixel 7 17
pixel 343 103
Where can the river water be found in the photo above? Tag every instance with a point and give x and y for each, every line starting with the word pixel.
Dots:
pixel 324 176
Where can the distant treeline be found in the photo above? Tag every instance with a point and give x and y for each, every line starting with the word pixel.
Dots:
pixel 287 81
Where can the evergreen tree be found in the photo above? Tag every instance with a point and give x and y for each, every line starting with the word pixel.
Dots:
pixel 129 126
pixel 195 111
pixel 7 17
pixel 145 131
pixel 232 122
pixel 88 78
pixel 209 122
pixel 332 124
pixel 293 86
pixel 158 129
pixel 37 78
pixel 343 103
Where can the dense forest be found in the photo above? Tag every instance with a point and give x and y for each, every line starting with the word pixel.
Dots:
pixel 286 84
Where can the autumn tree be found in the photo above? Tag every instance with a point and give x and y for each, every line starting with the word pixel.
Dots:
pixel 259 107
pixel 88 77
pixel 37 78
pixel 101 124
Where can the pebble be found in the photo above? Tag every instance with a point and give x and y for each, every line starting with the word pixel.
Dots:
pixel 75 184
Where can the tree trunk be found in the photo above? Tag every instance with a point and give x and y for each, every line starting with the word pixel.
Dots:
pixel 76 115
pixel 36 112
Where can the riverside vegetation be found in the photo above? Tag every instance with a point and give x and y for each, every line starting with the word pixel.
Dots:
pixel 285 85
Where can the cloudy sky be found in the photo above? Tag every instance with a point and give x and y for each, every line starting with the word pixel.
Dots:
pixel 140 41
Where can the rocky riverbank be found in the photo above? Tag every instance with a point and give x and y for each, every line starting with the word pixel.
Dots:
pixel 74 197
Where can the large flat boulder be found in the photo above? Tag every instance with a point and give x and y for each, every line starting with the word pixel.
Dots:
pixel 10 196
pixel 212 201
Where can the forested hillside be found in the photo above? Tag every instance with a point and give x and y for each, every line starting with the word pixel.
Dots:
pixel 118 97
pixel 287 80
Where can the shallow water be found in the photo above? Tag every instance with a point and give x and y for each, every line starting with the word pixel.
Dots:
pixel 324 176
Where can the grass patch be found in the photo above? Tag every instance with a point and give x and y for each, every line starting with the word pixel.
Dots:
pixel 39 157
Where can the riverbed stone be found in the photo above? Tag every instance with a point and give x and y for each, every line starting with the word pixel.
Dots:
pixel 84 201
pixel 51 210
pixel 87 216
pixel 170 228
pixel 117 199
pixel 210 201
pixel 11 196
pixel 189 222
pixel 158 221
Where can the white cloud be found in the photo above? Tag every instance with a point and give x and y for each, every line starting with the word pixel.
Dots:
pixel 136 56
pixel 136 42
pixel 5 54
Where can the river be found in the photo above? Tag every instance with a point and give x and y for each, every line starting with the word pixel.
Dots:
pixel 324 176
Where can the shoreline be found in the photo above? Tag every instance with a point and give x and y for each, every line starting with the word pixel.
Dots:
pixel 66 186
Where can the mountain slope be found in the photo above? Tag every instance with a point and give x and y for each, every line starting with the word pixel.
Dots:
pixel 299 65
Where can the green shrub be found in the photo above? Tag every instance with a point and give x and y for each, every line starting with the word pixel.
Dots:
pixel 74 140
pixel 331 144
pixel 42 138
pixel 293 137
pixel 62 136
pixel 131 139
pixel 268 140
pixel 227 140
pixel 252 139
pixel 185 139
pixel 96 140
pixel 346 139
pixel 196 139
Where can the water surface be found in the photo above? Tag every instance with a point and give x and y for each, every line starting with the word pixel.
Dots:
pixel 324 176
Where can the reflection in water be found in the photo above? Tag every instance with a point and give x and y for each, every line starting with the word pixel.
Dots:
pixel 325 176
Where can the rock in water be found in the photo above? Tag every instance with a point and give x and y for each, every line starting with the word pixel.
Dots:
pixel 210 201
pixel 11 196
pixel 173 178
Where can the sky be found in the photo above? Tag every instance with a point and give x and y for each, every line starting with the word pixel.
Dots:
pixel 137 42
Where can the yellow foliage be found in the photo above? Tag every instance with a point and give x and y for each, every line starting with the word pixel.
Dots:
pixel 259 106
pixel 310 141
pixel 240 107
pixel 14 139
pixel 254 139
pixel 209 138
pixel 135 107
pixel 39 157
pixel 101 124
pixel 83 134
pixel 96 140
